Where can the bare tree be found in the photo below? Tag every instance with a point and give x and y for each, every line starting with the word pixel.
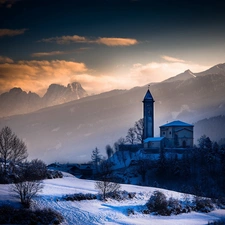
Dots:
pixel 120 141
pixel 27 190
pixel 131 136
pixel 139 130
pixel 106 185
pixel 11 147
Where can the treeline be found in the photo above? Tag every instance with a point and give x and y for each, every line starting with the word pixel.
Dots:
pixel 199 171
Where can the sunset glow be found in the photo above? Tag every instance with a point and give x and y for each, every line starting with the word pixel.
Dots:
pixel 107 44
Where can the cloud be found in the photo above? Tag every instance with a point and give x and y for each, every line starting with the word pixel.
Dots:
pixel 117 41
pixel 172 59
pixel 101 40
pixel 156 72
pixel 9 32
pixel 66 39
pixel 4 59
pixel 37 75
pixel 41 54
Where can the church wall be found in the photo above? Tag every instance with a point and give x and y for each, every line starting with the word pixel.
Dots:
pixel 184 136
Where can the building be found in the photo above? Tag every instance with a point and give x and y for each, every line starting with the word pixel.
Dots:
pixel 177 134
pixel 148 111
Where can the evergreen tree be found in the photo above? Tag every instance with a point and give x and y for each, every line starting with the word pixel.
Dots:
pixel 96 158
pixel 161 165
pixel 109 151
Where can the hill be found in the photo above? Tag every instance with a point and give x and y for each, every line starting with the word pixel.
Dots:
pixel 109 212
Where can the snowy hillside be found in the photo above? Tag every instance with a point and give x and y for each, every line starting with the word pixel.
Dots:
pixel 109 212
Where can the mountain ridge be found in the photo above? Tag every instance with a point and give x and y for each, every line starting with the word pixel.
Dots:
pixel 17 101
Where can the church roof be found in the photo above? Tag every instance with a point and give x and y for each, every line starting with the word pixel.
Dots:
pixel 155 139
pixel 148 96
pixel 177 123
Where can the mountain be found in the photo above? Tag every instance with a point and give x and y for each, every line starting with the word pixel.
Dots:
pixel 17 101
pixel 217 69
pixel 182 76
pixel 58 94
pixel 70 131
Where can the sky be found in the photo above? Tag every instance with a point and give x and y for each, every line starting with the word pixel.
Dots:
pixel 106 44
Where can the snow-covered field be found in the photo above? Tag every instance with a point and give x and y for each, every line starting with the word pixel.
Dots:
pixel 109 212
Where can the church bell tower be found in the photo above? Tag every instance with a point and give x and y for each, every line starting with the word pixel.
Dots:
pixel 148 111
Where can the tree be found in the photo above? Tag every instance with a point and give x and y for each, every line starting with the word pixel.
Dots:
pixel 11 147
pixel 161 165
pixel 143 167
pixel 205 142
pixel 131 136
pixel 35 170
pixel 27 190
pixel 96 158
pixel 109 151
pixel 120 141
pixel 139 130
pixel 106 184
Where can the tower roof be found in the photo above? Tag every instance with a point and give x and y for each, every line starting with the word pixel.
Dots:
pixel 148 96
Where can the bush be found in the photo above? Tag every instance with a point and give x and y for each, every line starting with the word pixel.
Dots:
pixel 121 195
pixel 174 206
pixel 203 204
pixel 158 203
pixel 217 222
pixel 52 174
pixel 10 215
pixel 80 197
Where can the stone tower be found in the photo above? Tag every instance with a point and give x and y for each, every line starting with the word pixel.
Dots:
pixel 148 111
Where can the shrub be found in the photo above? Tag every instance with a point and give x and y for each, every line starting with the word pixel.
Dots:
pixel 203 204
pixel 158 203
pixel 174 206
pixel 121 195
pixel 80 197
pixel 10 215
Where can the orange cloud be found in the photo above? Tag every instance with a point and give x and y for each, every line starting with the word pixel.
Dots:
pixel 37 75
pixel 116 41
pixel 172 59
pixel 4 59
pixel 40 54
pixel 9 32
pixel 101 40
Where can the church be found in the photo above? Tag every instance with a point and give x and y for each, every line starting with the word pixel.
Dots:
pixel 174 135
